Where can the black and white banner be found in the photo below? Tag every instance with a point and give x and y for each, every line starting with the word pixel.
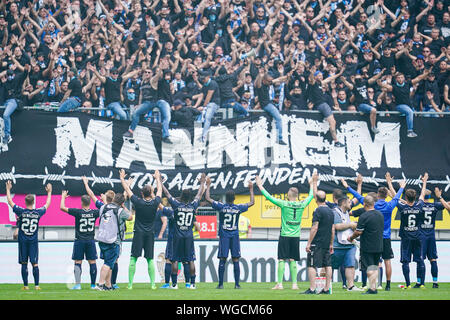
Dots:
pixel 61 148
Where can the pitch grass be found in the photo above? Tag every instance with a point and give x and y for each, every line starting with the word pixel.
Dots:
pixel 208 291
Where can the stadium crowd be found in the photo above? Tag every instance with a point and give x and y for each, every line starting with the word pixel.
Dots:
pixel 189 57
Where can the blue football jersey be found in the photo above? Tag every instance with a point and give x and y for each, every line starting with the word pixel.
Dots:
pixel 168 212
pixel 411 220
pixel 429 217
pixel 84 223
pixel 184 217
pixel 229 217
pixel 28 222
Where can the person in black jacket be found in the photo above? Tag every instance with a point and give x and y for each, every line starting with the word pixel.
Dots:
pixel 401 90
pixel 3 79
pixel 13 96
pixel 182 115
pixel 226 80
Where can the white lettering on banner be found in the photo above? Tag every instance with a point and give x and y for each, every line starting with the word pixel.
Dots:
pixel 193 155
pixel 222 140
pixel 247 146
pixel 259 142
pixel 70 134
pixel 360 144
pixel 308 149
pixel 143 150
pixel 258 262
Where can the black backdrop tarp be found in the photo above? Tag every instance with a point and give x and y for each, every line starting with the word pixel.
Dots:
pixel 29 158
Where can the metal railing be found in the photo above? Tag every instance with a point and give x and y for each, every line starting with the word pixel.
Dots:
pixel 222 113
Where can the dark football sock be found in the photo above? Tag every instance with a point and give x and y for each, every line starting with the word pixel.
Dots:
pixel 221 271
pixel 93 272
pixel 36 275
pixel 25 274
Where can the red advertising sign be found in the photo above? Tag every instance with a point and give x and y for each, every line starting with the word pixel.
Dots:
pixel 208 226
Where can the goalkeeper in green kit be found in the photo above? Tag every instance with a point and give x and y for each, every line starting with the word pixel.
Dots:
pixel 291 218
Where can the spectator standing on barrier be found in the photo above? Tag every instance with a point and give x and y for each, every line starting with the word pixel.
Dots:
pixel 370 230
pixel 401 90
pixel 320 244
pixel 263 82
pixel 113 84
pixel 13 96
pixel 225 80
pixel 148 100
pixel 72 97
pixel 210 100
pixel 360 87
pixel 317 98
pixel 164 102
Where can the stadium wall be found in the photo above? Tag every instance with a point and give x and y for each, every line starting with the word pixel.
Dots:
pixel 258 263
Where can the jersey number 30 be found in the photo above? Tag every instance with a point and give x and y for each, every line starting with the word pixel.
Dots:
pixel 185 219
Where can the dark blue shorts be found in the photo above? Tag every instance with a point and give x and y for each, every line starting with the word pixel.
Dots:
pixel 28 250
pixel 183 249
pixel 84 249
pixel 410 247
pixel 429 249
pixel 227 244
pixel 110 253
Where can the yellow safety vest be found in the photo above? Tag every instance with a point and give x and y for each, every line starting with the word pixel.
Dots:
pixel 196 233
pixel 130 228
pixel 244 223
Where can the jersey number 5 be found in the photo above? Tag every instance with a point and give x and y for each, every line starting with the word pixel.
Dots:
pixel 428 217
